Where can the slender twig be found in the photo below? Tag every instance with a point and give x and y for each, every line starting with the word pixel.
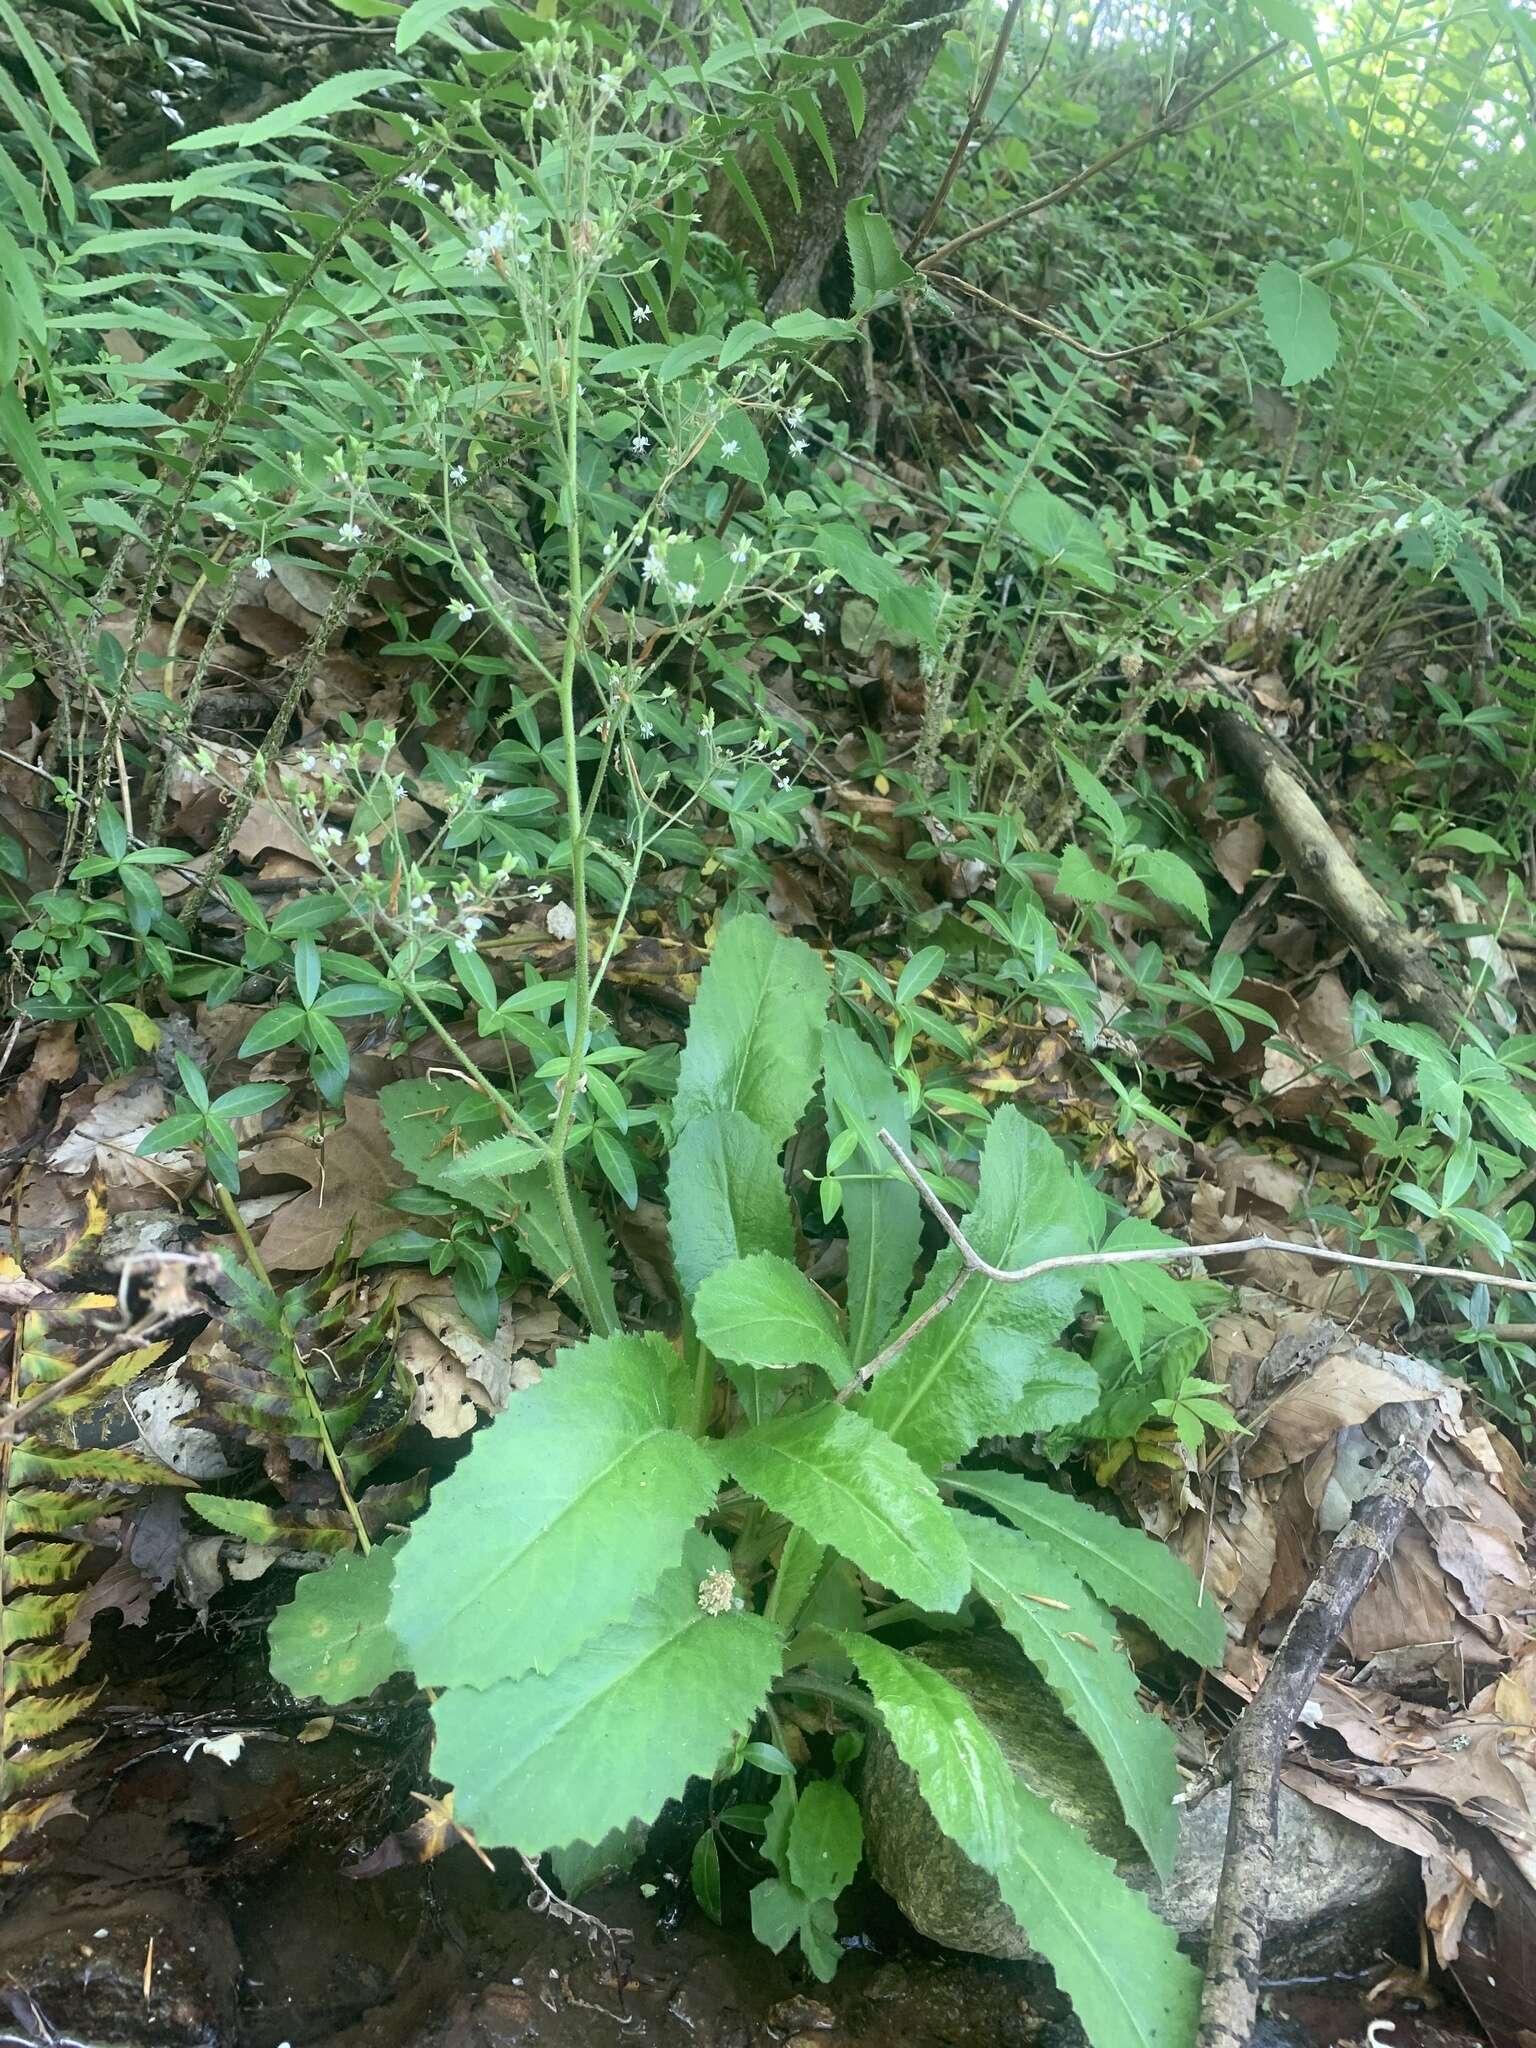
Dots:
pixel 979 106
pixel 971 1263
pixel 1174 119
pixel 1068 340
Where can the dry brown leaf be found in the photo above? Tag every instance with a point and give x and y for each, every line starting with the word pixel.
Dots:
pixel 104 1138
pixel 459 1376
pixel 55 1057
pixel 348 1176
pixel 1237 852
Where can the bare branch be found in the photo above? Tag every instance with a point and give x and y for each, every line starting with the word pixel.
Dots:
pixel 1176 118
pixel 971 1262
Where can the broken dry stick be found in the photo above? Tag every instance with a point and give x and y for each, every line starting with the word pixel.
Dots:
pixel 1323 871
pixel 1252 1752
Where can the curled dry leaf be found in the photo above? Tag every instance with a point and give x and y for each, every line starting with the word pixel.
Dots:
pixel 1323 1408
pixel 459 1376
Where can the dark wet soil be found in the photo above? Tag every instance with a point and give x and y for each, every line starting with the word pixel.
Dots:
pixel 202 1904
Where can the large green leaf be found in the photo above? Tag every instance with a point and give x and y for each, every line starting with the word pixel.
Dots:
pixel 826 1839
pixel 849 1486
pixel 1064 1631
pixel 726 1195
pixel 1299 322
pixel 964 1377
pixel 763 1311
pixel 1115 1960
pixel 754 1038
pixel 1127 1569
pixel 333 1640
pixel 880 1206
pixel 563 1513
pixel 617 1729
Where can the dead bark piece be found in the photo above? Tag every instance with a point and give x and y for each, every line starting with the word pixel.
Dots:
pixel 1231 1999
pixel 1324 872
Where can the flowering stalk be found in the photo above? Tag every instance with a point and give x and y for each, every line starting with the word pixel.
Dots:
pixel 581 995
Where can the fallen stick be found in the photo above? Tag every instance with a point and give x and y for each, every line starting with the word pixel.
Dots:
pixel 1324 872
pixel 1251 1754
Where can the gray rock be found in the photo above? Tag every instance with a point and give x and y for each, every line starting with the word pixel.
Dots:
pixel 1339 1891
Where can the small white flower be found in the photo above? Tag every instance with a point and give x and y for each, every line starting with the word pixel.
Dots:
pixel 813 623
pixel 522 257
pixel 641 315
pixel 741 552
pixel 539 890
pixel 640 444
pixel 262 568
pixel 417 373
pixel 798 444
pixel 361 858
pixel 686 592
pixel 496 234
pixel 540 102
pixel 607 549
pixel 653 566
pixel 729 447
pixel 795 417
pixel 819 588
pixel 464 611
pixel 351 533
pixel 560 922
pixel 414 181
pixel 477 258
pixel 458 473
pixel 331 834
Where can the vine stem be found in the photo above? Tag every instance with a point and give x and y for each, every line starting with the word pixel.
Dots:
pixel 247 1243
pixel 972 1263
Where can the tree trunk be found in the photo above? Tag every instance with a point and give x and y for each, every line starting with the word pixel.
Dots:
pixel 892 75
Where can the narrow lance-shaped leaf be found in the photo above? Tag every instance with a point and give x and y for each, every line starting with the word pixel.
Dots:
pixel 880 1205
pixel 754 1037
pixel 1064 1631
pixel 1127 1569
pixel 565 1511
pixel 617 1729
pixel 1116 1961
pixel 849 1486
